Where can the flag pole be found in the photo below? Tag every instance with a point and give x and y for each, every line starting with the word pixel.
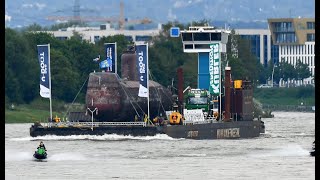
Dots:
pixel 115 57
pixel 50 81
pixel 220 76
pixel 148 81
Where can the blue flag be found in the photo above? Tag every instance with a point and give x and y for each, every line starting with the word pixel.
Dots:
pixel 104 64
pixel 44 62
pixel 142 65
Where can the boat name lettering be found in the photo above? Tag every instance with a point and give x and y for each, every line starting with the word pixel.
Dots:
pixel 192 134
pixel 142 65
pixel 228 133
pixel 197 91
pixel 43 67
pixel 214 69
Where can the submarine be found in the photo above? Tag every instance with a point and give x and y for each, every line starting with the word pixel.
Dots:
pixel 117 100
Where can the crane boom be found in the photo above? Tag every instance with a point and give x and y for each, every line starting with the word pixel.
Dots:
pixel 120 20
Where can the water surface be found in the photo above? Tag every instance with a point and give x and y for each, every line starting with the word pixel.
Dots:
pixel 281 153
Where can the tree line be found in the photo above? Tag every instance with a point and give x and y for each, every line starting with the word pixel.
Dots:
pixel 71 61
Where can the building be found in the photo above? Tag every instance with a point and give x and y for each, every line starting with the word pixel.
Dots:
pixel 260 44
pixel 296 40
pixel 94 34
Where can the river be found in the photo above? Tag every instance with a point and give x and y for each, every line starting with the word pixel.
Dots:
pixel 281 153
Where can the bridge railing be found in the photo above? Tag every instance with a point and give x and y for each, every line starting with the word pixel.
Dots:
pixel 99 124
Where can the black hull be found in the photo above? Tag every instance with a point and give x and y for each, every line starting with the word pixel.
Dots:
pixel 221 130
pixel 120 130
pixel 39 156
pixel 313 153
pixel 225 130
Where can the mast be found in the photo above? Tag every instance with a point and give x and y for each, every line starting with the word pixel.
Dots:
pixel 220 64
pixel 148 82
pixel 115 58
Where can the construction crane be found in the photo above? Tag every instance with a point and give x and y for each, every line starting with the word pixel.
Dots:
pixel 121 20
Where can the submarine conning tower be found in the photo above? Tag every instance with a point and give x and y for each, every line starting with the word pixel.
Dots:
pixel 128 65
pixel 117 98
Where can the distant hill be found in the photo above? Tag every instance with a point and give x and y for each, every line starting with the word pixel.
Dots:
pixel 237 13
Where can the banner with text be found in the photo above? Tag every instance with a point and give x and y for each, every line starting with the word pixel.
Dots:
pixel 214 69
pixel 142 65
pixel 44 62
pixel 111 57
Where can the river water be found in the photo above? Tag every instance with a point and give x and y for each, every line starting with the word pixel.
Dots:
pixel 281 153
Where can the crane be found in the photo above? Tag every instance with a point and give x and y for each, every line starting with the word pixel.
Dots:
pixel 121 20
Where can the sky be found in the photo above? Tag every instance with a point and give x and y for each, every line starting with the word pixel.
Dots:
pixel 20 13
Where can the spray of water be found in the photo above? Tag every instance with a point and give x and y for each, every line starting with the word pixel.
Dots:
pixel 287 150
pixel 106 137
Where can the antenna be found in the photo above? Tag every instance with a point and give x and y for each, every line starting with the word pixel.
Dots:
pixel 290 12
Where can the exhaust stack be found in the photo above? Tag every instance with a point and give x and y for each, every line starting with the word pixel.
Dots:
pixel 227 85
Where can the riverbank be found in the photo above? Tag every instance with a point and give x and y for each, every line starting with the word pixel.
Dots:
pixel 27 114
pixel 287 108
pixel 286 98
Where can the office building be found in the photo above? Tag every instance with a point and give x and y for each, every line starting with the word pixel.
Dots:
pixel 296 40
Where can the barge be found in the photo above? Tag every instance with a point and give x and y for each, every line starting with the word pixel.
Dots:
pixel 115 97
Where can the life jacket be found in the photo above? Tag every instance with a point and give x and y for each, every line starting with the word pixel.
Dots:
pixel 41 150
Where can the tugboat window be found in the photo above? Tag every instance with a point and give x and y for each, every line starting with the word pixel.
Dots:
pixel 215 36
pixel 198 100
pixel 188 46
pixel 187 37
pixel 201 36
pixel 202 46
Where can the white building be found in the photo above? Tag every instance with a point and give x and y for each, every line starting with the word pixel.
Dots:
pixel 260 44
pixel 296 40
pixel 94 34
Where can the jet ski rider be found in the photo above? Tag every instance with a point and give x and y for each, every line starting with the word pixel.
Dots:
pixel 41 145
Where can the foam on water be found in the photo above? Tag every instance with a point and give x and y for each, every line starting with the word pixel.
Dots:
pixel 288 150
pixel 67 157
pixel 28 156
pixel 106 137
pixel 18 156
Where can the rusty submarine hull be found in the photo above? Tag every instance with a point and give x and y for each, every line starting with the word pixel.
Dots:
pixel 116 99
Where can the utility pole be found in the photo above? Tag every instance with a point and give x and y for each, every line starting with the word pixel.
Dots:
pixel 92 111
pixel 272 75
pixel 95 109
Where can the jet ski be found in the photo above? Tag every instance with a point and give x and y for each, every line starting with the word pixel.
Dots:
pixel 40 153
pixel 313 152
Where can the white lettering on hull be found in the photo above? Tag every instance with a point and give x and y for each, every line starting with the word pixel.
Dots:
pixel 228 133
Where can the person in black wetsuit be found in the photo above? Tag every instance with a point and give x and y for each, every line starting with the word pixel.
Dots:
pixel 42 145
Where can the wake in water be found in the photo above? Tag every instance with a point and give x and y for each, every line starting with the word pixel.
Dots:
pixel 106 137
pixel 286 135
pixel 67 157
pixel 288 150
pixel 28 156
pixel 18 156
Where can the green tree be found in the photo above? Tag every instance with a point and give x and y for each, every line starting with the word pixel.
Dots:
pixel 64 77
pixel 286 70
pixel 20 72
pixel 244 65
pixel 302 70
pixel 34 27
